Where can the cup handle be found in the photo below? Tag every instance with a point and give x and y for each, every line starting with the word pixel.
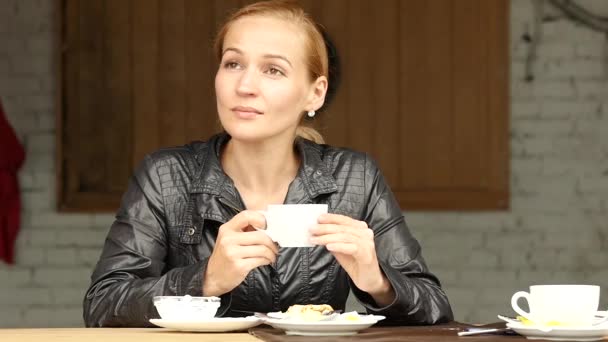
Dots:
pixel 515 298
pixel 601 318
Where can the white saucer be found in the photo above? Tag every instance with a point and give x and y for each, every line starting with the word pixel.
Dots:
pixel 324 328
pixel 220 324
pixel 596 333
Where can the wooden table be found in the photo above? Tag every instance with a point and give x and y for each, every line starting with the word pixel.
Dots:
pixel 117 335
pixel 437 333
pixel 446 332
pixel 443 333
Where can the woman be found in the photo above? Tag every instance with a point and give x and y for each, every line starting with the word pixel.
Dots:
pixel 185 224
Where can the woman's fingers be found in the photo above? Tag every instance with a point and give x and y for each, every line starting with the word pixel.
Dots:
pixel 344 239
pixel 257 251
pixel 255 238
pixel 324 229
pixel 344 248
pixel 251 263
pixel 241 225
pixel 333 238
pixel 338 219
pixel 238 249
pixel 244 220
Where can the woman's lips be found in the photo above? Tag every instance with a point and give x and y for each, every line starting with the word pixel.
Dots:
pixel 246 112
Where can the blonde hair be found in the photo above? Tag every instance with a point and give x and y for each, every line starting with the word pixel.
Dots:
pixel 316 57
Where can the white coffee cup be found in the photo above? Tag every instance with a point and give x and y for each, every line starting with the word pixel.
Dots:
pixel 563 305
pixel 289 224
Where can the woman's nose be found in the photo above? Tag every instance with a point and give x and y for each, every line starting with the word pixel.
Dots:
pixel 248 83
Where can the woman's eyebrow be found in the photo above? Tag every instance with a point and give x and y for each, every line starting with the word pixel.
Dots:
pixel 232 49
pixel 268 55
pixel 279 57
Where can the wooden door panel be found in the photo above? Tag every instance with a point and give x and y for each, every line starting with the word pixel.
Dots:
pixel 201 65
pixel 89 176
pixel 385 72
pixel 469 151
pixel 118 97
pixel 96 107
pixel 496 84
pixel 424 90
pixel 172 73
pixel 331 124
pixel 146 79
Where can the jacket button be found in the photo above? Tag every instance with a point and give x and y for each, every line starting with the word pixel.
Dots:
pixel 191 231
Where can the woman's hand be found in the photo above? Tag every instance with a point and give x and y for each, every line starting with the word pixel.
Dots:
pixel 352 243
pixel 239 248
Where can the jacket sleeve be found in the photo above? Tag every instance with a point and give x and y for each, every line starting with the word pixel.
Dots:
pixel 419 298
pixel 131 269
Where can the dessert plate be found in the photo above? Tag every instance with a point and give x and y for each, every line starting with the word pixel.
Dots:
pixel 220 324
pixel 593 333
pixel 324 328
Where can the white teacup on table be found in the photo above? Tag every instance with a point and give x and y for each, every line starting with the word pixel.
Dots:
pixel 560 305
pixel 289 224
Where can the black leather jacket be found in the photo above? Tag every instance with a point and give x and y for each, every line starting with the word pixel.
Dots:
pixel 166 228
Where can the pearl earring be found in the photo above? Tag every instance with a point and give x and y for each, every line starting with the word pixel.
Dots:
pixel 311 113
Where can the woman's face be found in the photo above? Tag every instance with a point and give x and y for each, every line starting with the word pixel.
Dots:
pixel 262 84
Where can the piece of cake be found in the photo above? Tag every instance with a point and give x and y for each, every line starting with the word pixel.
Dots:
pixel 310 312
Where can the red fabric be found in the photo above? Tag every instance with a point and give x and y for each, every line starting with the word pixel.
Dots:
pixel 12 157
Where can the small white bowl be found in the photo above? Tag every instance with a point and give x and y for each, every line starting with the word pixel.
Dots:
pixel 186 307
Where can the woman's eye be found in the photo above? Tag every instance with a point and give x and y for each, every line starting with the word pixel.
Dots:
pixel 275 71
pixel 231 65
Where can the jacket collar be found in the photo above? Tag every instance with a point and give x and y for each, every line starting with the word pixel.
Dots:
pixel 314 173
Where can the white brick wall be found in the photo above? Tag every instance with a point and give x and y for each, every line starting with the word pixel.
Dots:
pixel 55 251
pixel 557 230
